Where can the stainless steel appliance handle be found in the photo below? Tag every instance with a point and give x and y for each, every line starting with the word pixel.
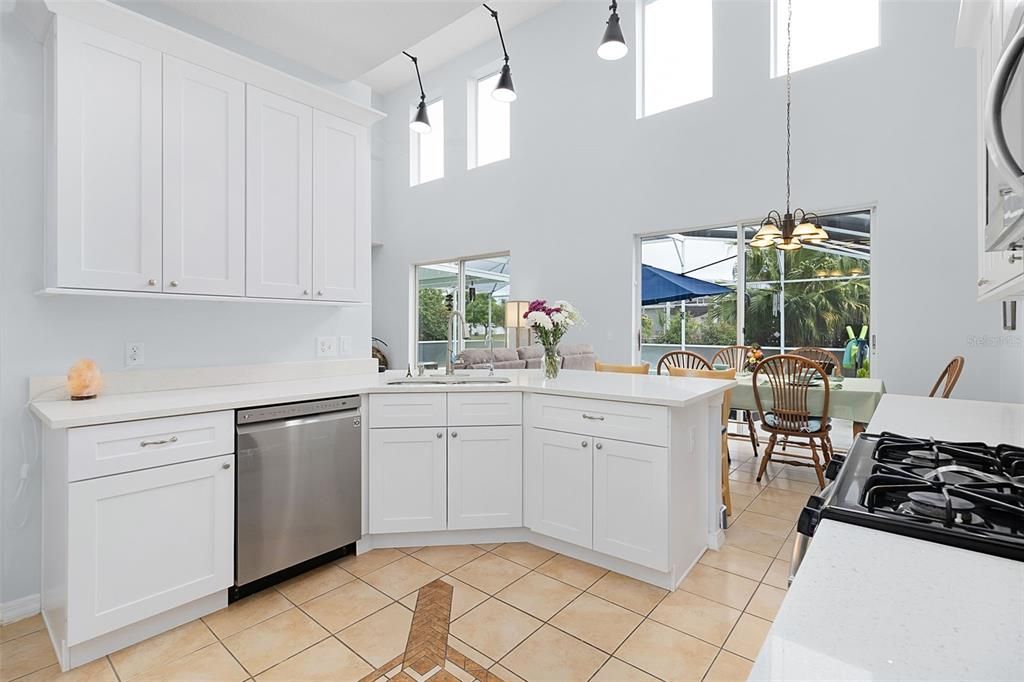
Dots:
pixel 295 421
pixel 995 136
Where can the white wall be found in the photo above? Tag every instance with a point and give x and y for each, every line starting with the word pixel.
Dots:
pixel 891 127
pixel 43 336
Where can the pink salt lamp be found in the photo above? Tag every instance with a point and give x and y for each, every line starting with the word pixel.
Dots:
pixel 84 380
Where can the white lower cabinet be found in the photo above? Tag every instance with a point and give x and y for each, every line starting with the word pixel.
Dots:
pixel 145 542
pixel 631 502
pixel 485 477
pixel 407 479
pixel 560 485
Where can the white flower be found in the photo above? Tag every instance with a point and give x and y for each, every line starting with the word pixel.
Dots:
pixel 559 318
pixel 539 319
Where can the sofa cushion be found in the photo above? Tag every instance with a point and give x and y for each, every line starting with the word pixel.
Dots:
pixel 567 349
pixel 581 361
pixel 501 364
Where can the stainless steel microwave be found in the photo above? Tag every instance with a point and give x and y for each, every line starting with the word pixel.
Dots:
pixel 1004 137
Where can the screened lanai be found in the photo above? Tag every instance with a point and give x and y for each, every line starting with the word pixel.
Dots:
pixel 779 300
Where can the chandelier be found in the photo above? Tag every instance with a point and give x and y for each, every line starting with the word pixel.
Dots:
pixel 789 231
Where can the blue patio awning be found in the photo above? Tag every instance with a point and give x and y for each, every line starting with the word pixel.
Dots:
pixel 662 286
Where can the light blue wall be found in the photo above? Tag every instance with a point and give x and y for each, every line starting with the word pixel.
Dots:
pixel 892 127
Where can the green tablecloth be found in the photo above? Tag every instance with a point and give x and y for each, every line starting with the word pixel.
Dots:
pixel 855 401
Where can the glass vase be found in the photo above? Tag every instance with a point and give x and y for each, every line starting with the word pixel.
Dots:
pixel 552 363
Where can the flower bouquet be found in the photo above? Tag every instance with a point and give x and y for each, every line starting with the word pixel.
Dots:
pixel 550 323
pixel 754 356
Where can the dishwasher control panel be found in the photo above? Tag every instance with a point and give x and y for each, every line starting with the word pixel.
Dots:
pixel 293 410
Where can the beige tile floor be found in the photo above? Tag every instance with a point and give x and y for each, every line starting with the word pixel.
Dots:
pixel 519 610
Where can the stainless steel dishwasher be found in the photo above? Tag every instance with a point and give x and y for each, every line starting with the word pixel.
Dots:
pixel 298 488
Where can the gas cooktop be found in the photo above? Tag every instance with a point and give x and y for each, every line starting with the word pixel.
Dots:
pixel 969 495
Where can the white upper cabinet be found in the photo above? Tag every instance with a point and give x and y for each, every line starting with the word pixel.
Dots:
pixel 104 224
pixel 279 196
pixel 189 170
pixel 204 181
pixel 341 209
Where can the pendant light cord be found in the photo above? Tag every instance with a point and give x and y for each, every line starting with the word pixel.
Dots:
pixel 789 87
pixel 416 63
pixel 500 36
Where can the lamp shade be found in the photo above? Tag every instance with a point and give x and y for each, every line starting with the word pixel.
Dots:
pixel 514 312
pixel 504 91
pixel 613 44
pixel 420 123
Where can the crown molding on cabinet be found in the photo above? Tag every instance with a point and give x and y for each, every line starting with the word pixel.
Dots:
pixel 145 31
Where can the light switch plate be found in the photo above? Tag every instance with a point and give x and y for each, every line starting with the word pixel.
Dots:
pixel 326 346
pixel 345 346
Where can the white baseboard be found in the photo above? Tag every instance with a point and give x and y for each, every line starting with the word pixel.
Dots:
pixel 17 609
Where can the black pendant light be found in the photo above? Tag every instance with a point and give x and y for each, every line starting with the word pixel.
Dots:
pixel 613 45
pixel 792 230
pixel 504 91
pixel 420 123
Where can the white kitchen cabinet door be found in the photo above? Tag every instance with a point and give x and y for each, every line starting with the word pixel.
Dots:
pixel 560 485
pixel 106 193
pixel 145 542
pixel 631 502
pixel 341 209
pixel 407 479
pixel 204 181
pixel 485 477
pixel 279 196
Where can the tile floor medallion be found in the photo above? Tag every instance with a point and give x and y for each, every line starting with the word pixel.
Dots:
pixel 509 612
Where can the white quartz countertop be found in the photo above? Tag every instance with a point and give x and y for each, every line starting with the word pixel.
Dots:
pixel 652 390
pixel 963 420
pixel 872 605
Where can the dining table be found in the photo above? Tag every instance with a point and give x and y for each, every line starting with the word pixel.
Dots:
pixel 850 398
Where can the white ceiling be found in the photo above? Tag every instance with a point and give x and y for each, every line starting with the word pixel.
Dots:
pixel 353 39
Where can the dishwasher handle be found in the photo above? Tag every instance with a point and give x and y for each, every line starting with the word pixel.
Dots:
pixel 259 427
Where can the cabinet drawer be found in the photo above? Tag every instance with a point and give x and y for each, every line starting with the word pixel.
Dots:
pixel 485 409
pixel 402 410
pixel 129 446
pixel 600 418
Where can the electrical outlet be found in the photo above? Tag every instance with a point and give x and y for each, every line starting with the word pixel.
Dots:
pixel 134 353
pixel 345 346
pixel 326 346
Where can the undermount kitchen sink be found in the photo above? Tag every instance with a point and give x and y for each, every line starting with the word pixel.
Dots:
pixel 442 380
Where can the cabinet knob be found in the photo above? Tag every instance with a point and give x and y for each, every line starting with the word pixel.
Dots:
pixel 151 282
pixel 1014 257
pixel 305 292
pixel 982 282
pixel 174 282
pixel 225 465
pixel 598 446
pixel 583 444
pixel 440 435
pixel 320 292
pixel 455 434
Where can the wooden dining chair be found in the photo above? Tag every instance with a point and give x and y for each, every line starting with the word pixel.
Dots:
pixel 643 368
pixel 681 358
pixel 790 379
pixel 735 357
pixel 947 380
pixel 826 358
pixel 716 374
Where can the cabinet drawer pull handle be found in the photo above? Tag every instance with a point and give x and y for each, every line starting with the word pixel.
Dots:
pixel 225 465
pixel 598 446
pixel 163 441
pixel 593 417
pixel 583 444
